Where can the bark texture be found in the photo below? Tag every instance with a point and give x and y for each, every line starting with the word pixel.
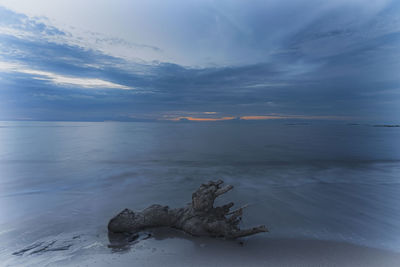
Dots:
pixel 200 218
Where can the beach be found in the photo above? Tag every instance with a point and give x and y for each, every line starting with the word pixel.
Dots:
pixel 324 205
pixel 172 248
pixel 263 253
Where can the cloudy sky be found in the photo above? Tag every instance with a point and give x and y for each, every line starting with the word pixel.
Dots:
pixel 200 60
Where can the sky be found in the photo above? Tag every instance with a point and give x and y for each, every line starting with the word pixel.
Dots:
pixel 200 60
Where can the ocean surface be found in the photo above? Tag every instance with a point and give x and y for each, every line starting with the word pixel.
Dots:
pixel 60 182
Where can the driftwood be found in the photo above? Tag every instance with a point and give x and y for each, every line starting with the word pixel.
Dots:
pixel 200 218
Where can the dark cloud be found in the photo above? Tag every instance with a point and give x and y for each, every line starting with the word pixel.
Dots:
pixel 333 65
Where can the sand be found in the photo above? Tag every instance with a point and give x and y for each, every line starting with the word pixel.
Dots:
pixel 177 249
pixel 273 253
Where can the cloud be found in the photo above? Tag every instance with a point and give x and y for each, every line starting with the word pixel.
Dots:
pixel 22 26
pixel 39 28
pixel 326 64
pixel 61 80
pixel 211 33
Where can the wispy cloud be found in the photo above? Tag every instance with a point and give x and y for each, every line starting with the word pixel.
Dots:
pixel 61 80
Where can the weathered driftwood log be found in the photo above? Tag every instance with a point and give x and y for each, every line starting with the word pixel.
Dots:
pixel 200 218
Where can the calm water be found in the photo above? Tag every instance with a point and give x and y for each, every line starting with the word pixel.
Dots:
pixel 60 180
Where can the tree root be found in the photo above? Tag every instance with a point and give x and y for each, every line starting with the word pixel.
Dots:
pixel 200 218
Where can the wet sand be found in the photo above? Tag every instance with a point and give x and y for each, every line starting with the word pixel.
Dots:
pixel 173 248
pixel 178 252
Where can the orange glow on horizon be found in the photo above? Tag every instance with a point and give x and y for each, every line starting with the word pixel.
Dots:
pixel 202 119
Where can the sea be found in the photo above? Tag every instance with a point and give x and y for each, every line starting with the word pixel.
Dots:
pixel 61 182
